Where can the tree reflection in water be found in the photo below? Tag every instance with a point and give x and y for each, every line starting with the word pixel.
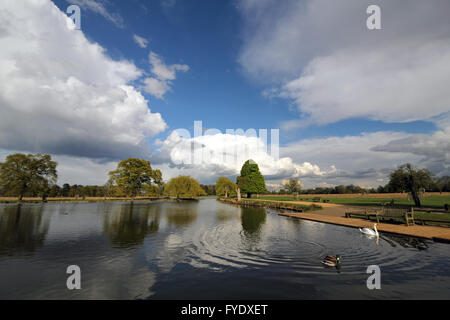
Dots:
pixel 128 225
pixel 406 242
pixel 223 215
pixel 22 229
pixel 181 214
pixel 252 220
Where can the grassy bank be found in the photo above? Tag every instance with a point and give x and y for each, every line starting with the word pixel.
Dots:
pixel 401 200
pixel 431 215
pixel 274 204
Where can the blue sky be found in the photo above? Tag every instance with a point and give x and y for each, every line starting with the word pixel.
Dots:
pixel 346 104
pixel 204 35
pixel 207 36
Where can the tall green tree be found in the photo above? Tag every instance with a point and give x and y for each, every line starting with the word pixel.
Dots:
pixel 225 187
pixel 443 184
pixel 408 178
pixel 65 190
pixel 28 173
pixel 251 180
pixel 183 187
pixel 209 189
pixel 292 185
pixel 133 175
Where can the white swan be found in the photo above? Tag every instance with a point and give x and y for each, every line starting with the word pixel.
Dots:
pixel 369 231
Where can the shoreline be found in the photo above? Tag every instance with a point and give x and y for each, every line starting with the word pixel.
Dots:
pixel 279 205
pixel 8 200
pixel 437 234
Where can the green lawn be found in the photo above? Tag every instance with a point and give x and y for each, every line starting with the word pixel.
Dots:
pixel 429 201
pixel 431 215
pixel 426 216
pixel 305 208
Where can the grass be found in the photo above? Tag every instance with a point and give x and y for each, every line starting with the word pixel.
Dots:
pixel 431 215
pixel 275 204
pixel 433 201
pixel 429 201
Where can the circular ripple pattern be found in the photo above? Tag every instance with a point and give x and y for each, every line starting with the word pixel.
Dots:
pixel 227 245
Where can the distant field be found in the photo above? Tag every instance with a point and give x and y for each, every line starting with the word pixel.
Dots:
pixel 431 200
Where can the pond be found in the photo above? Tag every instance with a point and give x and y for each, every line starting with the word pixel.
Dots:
pixel 203 250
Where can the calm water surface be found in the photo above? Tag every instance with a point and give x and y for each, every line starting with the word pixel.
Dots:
pixel 204 250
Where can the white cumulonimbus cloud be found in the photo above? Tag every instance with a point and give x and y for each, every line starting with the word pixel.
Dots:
pixel 222 154
pixel 364 159
pixel 61 93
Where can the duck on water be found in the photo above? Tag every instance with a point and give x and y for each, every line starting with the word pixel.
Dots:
pixel 332 261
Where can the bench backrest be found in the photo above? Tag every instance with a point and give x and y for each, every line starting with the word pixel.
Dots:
pixel 393 212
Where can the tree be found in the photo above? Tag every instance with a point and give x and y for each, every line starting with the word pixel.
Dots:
pixel 340 189
pixel 251 180
pixel 443 184
pixel 65 190
pixel 108 188
pixel 55 191
pixel 407 178
pixel 28 173
pixel 292 186
pixel 133 175
pixel 225 187
pixel 183 187
pixel 75 191
pixel 209 189
pixel 153 191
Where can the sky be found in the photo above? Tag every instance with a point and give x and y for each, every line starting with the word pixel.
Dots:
pixel 350 104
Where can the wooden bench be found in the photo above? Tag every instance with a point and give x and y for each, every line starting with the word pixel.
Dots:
pixel 408 217
pixel 361 214
pixel 383 215
pixel 396 214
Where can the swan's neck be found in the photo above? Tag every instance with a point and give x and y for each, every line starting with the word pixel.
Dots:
pixel 376 231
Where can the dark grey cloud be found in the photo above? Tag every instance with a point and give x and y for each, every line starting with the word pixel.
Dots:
pixel 61 94
pixel 435 149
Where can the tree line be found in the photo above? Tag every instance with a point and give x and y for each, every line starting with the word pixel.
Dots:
pixel 406 178
pixel 400 180
pixel 35 175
